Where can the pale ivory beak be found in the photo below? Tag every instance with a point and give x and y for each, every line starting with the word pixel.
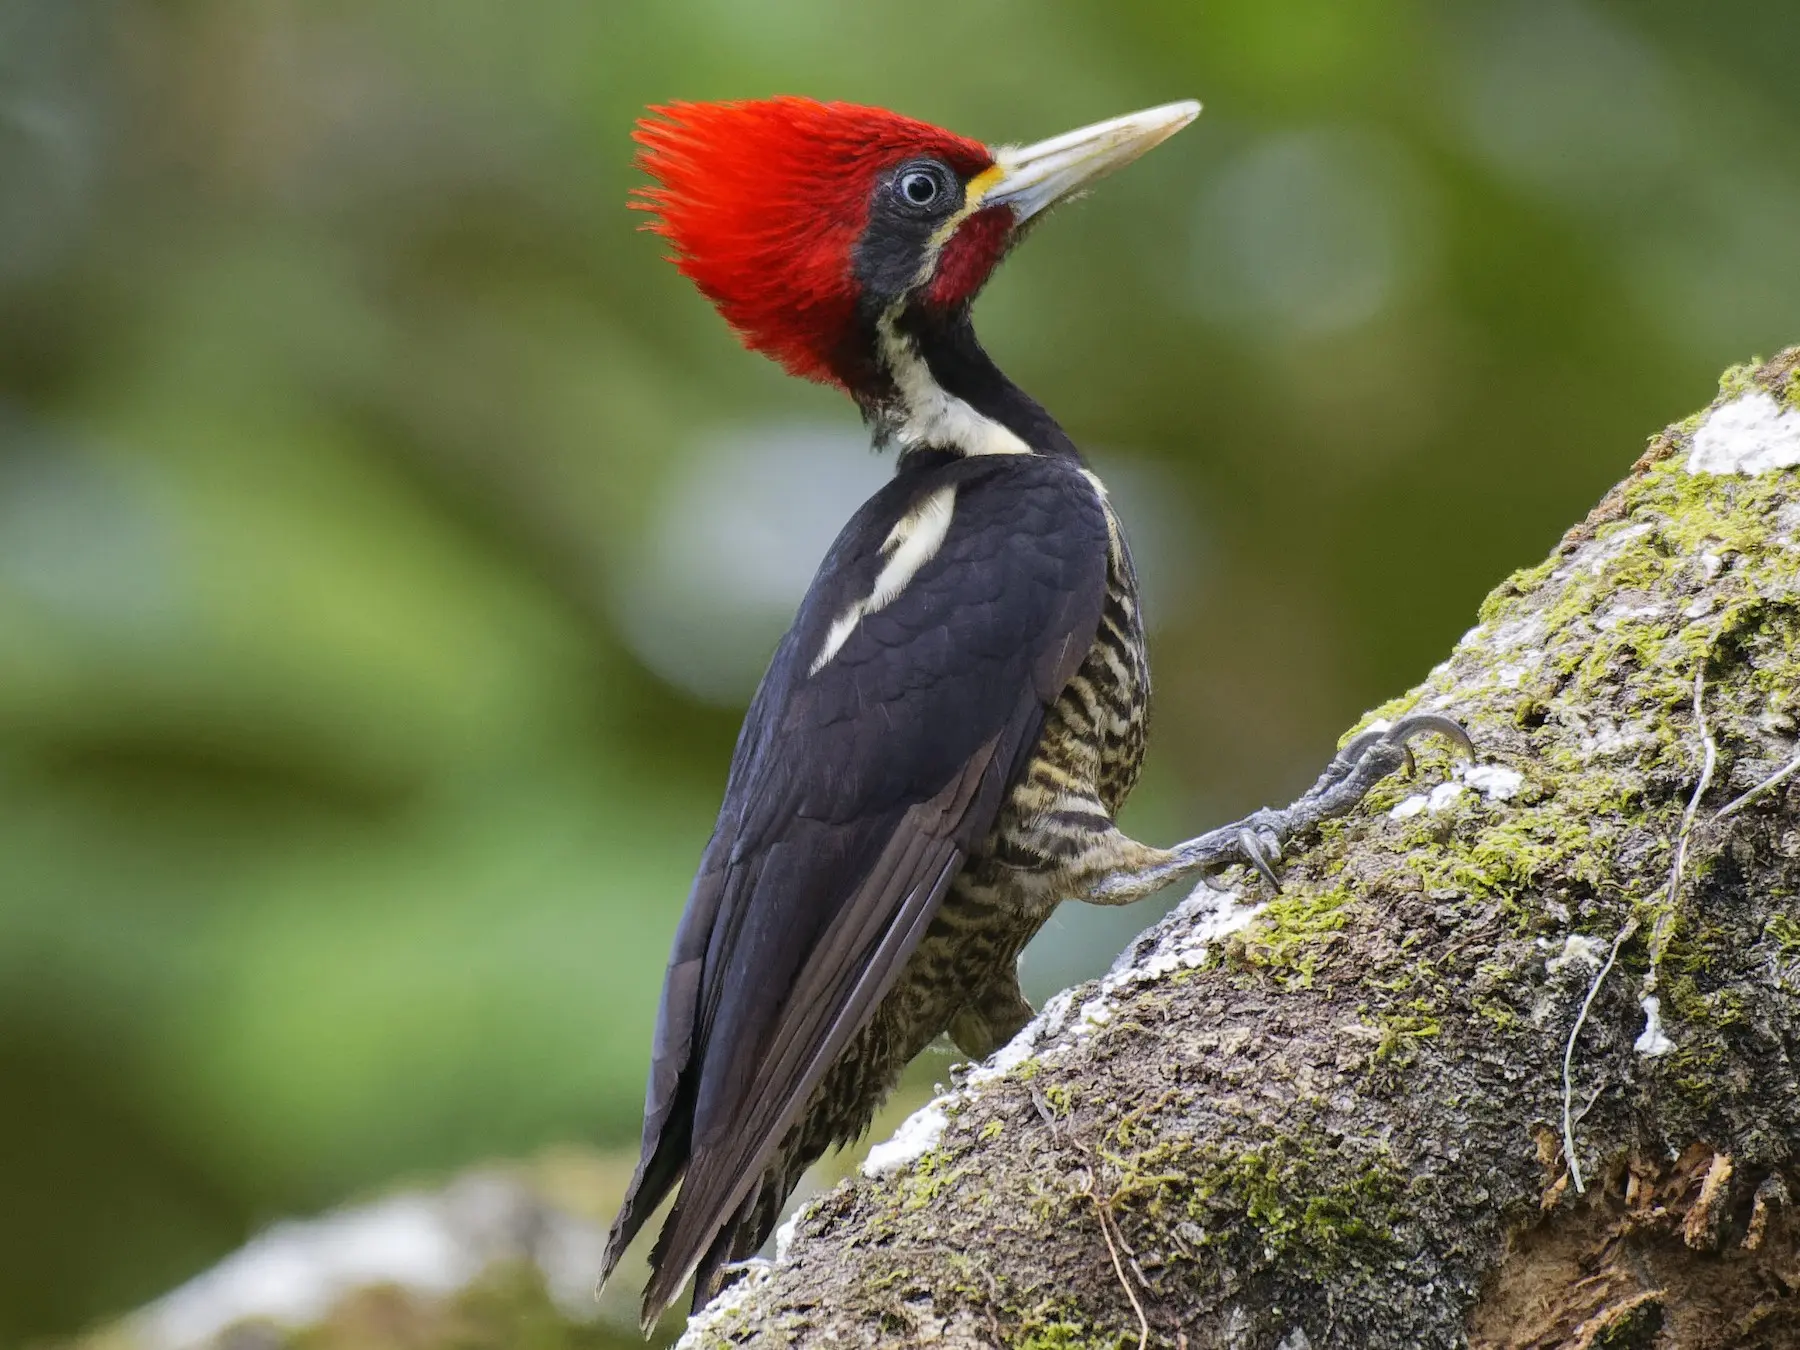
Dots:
pixel 1029 178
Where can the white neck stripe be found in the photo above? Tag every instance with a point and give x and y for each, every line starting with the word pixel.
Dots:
pixel 927 414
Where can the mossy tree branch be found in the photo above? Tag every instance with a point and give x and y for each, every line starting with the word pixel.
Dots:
pixel 1343 1124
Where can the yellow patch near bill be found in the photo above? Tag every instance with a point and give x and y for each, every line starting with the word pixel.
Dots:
pixel 973 196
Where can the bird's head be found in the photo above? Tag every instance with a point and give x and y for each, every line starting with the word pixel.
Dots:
pixel 810 225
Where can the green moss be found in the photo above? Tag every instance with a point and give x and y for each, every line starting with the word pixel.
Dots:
pixel 1693 949
pixel 1401 1031
pixel 929 1178
pixel 1701 1020
pixel 992 1130
pixel 1518 848
pixel 1784 930
pixel 1739 380
pixel 1526 581
pixel 1290 934
pixel 1694 509
pixel 882 1281
pixel 1291 1198
pixel 1293 1213
pixel 1701 1012
pixel 1496 1012
pixel 1651 658
pixel 1053 1327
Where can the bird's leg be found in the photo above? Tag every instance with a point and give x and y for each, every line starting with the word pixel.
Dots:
pixel 1258 839
pixel 992 1017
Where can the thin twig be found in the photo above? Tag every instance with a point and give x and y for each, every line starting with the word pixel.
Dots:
pixel 992 1303
pixel 1775 779
pixel 1592 1102
pixel 1658 937
pixel 1045 1113
pixel 1103 1211
pixel 1568 1121
pixel 1112 1250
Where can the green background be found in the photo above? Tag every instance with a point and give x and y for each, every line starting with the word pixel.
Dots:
pixel 388 540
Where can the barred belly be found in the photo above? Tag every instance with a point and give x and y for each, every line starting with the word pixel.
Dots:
pixel 1055 829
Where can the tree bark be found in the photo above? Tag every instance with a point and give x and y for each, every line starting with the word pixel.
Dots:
pixel 1511 1059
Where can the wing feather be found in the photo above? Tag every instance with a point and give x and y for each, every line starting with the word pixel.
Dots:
pixel 856 791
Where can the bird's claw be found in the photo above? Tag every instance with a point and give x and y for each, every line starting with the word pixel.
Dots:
pixel 1414 725
pixel 1261 853
pixel 1351 774
pixel 1399 735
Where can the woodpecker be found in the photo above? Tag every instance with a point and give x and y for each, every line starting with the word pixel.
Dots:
pixel 943 740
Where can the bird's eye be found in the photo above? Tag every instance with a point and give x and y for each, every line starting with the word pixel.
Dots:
pixel 920 187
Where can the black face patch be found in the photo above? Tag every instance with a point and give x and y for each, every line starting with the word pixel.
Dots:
pixel 910 204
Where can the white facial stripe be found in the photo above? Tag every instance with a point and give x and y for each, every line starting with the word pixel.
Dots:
pixel 913 542
pixel 928 415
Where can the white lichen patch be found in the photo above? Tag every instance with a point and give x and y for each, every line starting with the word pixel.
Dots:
pixel 1496 782
pixel 918 1134
pixel 731 1300
pixel 1009 1056
pixel 1440 797
pixel 1412 806
pixel 1578 953
pixel 1052 1019
pixel 1508 636
pixel 1653 1041
pixel 1237 1328
pixel 1096 1012
pixel 1605 737
pixel 1204 918
pixel 784 1235
pixel 1620 614
pixel 1750 435
pixel 1511 674
pixel 1610 545
pixel 1185 937
pixel 1784 530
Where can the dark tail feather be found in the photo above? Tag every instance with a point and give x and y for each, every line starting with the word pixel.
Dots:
pixel 670 1266
pixel 737 1239
pixel 710 1274
pixel 658 1170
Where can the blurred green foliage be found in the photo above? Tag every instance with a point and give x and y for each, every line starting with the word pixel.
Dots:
pixel 343 815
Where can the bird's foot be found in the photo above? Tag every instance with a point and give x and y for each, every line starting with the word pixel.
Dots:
pixel 1257 840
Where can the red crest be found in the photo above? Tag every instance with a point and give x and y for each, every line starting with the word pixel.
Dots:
pixel 764 202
